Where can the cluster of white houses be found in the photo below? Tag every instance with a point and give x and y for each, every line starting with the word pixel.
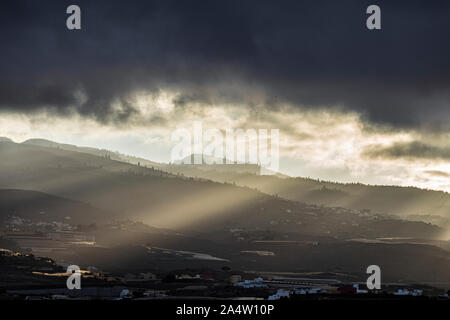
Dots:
pixel 301 286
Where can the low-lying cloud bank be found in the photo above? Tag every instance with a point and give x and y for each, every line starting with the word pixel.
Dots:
pixel 325 144
pixel 409 150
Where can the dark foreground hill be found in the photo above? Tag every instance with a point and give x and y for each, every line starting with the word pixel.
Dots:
pixel 38 206
pixel 395 200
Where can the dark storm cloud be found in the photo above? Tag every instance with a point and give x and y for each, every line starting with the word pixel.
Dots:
pixel 437 173
pixel 409 150
pixel 309 53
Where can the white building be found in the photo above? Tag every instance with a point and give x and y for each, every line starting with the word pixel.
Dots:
pixel 281 293
pixel 406 292
pixel 125 293
pixel 358 290
pixel 255 283
pixel 309 291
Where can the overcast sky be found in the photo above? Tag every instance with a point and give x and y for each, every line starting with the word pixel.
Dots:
pixel 351 104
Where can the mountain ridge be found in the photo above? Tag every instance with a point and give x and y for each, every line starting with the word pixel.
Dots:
pixel 390 199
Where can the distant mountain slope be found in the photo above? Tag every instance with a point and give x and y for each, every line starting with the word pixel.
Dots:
pixel 30 156
pixel 165 200
pixel 401 201
pixel 94 151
